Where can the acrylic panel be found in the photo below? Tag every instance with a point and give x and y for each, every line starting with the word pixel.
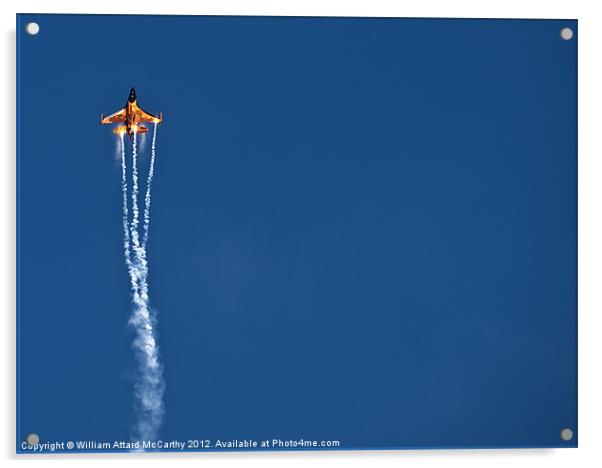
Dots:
pixel 286 233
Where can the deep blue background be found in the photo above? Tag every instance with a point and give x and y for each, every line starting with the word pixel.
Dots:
pixel 362 229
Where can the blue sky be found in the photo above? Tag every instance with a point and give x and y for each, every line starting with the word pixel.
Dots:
pixel 362 229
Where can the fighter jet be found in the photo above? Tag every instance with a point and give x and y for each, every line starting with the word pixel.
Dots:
pixel 131 115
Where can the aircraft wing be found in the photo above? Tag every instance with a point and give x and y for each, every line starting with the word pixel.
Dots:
pixel 118 116
pixel 143 116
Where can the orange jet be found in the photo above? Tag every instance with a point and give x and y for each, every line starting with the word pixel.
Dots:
pixel 131 115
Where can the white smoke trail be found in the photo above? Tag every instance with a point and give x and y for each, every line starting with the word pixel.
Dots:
pixel 135 211
pixel 126 232
pixel 149 182
pixel 124 190
pixel 149 385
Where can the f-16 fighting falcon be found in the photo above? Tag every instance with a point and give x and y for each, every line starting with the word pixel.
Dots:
pixel 131 115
